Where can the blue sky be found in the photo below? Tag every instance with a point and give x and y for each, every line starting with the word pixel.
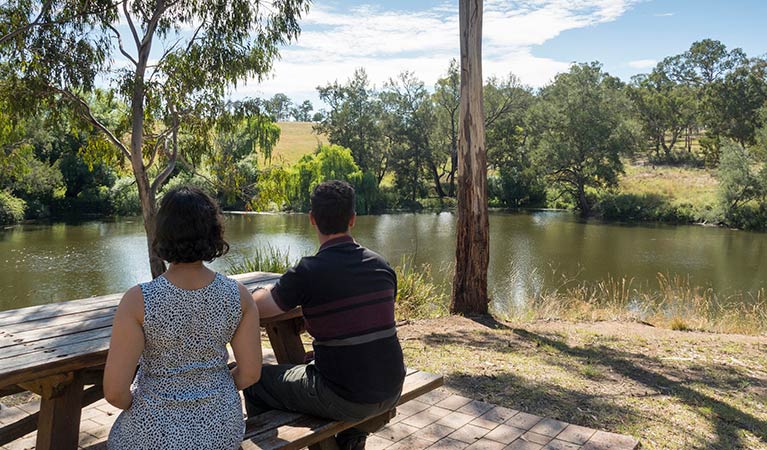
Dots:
pixel 534 39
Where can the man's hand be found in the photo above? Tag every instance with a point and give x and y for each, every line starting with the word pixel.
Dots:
pixel 267 307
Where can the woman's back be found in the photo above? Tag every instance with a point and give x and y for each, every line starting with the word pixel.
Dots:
pixel 183 394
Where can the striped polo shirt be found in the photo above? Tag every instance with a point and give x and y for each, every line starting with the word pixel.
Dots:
pixel 347 296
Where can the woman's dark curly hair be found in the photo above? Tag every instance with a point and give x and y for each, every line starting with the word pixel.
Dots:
pixel 189 227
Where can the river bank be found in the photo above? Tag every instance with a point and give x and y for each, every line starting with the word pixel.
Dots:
pixel 673 390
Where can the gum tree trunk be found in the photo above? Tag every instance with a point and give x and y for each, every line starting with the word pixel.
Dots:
pixel 472 253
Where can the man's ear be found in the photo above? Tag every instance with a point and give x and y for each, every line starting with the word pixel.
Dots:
pixel 312 220
pixel 352 220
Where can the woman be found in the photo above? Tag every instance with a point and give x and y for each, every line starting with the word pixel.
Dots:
pixel 176 328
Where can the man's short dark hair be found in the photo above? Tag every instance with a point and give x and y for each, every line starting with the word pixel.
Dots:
pixel 189 227
pixel 333 206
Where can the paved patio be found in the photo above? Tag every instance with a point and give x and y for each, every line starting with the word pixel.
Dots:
pixel 437 420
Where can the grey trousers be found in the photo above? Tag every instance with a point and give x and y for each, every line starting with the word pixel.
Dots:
pixel 300 388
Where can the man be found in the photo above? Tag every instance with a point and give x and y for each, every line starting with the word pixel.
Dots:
pixel 347 295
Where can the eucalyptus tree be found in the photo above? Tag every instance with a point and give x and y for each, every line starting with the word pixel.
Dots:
pixel 408 118
pixel 582 127
pixel 172 62
pixel 472 250
pixel 279 106
pixel 736 100
pixel 354 122
pixel 665 108
pixel 302 112
pixel 706 62
pixel 447 100
pixel 507 103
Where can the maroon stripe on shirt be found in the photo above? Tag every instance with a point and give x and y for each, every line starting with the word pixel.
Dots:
pixel 352 321
pixel 349 301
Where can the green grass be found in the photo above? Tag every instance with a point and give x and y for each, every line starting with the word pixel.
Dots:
pixel 296 140
pixel 677 184
pixel 267 259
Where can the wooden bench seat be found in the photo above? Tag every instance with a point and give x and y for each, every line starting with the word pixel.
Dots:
pixel 286 430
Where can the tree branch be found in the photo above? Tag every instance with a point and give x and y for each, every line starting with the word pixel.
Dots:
pixel 120 44
pixel 17 31
pixel 93 120
pixel 160 138
pixel 130 24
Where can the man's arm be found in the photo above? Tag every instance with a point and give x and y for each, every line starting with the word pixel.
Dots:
pixel 267 307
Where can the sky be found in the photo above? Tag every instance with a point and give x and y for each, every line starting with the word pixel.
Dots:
pixel 533 39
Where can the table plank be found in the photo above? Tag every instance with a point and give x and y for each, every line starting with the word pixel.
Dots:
pixel 41 340
pixel 46 347
pixel 40 334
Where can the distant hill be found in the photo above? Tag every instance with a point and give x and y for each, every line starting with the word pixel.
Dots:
pixel 296 140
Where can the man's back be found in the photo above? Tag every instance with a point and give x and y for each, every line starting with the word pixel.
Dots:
pixel 347 295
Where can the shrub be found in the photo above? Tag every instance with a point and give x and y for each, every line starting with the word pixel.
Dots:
pixel 516 187
pixel 643 208
pixel 680 158
pixel 739 183
pixel 417 294
pixel 124 197
pixel 11 209
pixel 267 259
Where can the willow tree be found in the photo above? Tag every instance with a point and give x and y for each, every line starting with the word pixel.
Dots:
pixel 172 61
pixel 472 253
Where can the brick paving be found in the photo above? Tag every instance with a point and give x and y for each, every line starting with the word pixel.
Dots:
pixel 437 420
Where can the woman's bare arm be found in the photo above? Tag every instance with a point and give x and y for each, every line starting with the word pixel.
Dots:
pixel 246 343
pixel 125 349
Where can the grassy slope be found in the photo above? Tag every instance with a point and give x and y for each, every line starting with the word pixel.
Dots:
pixel 296 140
pixel 670 389
pixel 679 184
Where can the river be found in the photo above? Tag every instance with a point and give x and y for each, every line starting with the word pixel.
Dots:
pixel 529 251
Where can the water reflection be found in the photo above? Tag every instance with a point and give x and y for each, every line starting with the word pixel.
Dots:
pixel 529 252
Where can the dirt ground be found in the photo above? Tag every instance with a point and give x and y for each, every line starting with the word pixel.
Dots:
pixel 670 389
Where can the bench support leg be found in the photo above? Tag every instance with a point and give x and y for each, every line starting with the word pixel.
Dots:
pixel 327 444
pixel 58 426
pixel 285 337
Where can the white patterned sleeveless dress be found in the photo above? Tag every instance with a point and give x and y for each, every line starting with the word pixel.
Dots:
pixel 183 395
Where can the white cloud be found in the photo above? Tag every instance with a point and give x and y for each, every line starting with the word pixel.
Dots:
pixel 643 63
pixel 386 42
pixel 668 14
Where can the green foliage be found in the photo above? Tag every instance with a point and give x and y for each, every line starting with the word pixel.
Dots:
pixel 517 186
pixel 124 197
pixel 302 112
pixel 582 128
pixel 642 208
pixel 418 296
pixel 354 121
pixel 733 103
pixel 444 139
pixel 331 162
pixel 186 178
pixel 740 181
pixel 408 117
pixel 11 209
pixel 665 109
pixel 273 189
pixel 290 187
pixel 263 259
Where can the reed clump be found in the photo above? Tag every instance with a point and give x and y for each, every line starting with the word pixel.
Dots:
pixel 671 302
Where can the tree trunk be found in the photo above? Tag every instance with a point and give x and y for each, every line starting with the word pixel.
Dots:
pixel 453 157
pixel 583 201
pixel 472 252
pixel 437 181
pixel 145 192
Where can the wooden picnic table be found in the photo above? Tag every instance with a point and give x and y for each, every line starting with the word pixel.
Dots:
pixel 56 350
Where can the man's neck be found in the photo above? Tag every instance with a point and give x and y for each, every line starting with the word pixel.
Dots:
pixel 329 237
